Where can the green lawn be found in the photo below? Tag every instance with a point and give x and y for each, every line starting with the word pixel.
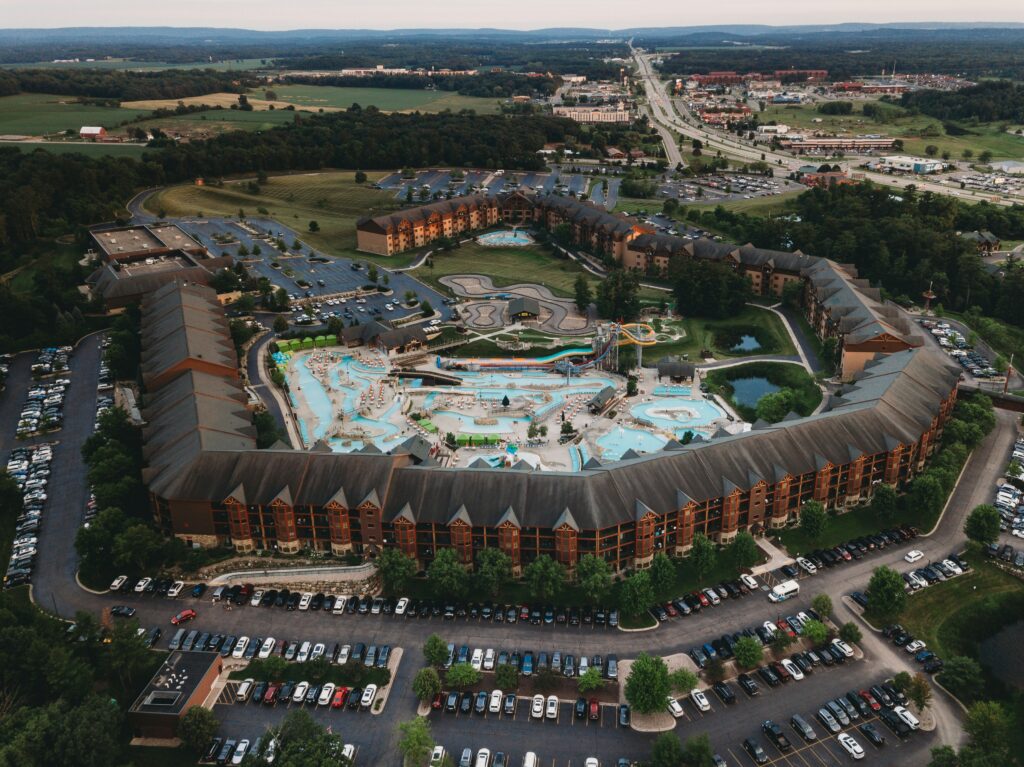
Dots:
pixel 912 129
pixel 385 99
pixel 794 377
pixel 719 336
pixel 32 114
pixel 222 120
pixel 505 266
pixel 60 257
pixel 89 150
pixel 333 199
pixel 756 206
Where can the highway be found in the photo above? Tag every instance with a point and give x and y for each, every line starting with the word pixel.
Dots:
pixel 667 118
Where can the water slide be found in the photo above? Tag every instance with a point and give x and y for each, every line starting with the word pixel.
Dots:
pixel 635 333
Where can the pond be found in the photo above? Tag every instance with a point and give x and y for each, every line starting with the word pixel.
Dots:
pixel 747 391
pixel 999 653
pixel 746 344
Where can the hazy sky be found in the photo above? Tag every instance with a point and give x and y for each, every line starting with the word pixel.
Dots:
pixel 521 14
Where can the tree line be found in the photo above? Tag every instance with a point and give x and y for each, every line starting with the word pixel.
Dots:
pixel 124 85
pixel 986 102
pixel 489 85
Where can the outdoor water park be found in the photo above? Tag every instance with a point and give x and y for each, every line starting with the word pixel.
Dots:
pixel 558 412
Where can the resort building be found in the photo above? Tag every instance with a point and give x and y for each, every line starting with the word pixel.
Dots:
pixel 415 227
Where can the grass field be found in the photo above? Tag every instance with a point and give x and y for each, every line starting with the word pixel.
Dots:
pixel 905 126
pixel 32 114
pixel 717 335
pixel 220 66
pixel 332 199
pixel 505 266
pixel 385 99
pixel 757 206
pixel 60 257
pixel 217 121
pixel 89 150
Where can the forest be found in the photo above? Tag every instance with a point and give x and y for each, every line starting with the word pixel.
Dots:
pixel 488 85
pixel 991 101
pixel 972 53
pixel 123 85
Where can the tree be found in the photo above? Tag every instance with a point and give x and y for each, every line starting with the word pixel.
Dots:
pixel 931 150
pixel 435 651
pixel 594 576
pixel 647 686
pixel 985 157
pixel 926 493
pixel 395 569
pixel 426 684
pixel 697 751
pixel 822 605
pixel 703 555
pixel 884 503
pixel 506 677
pixel 426 309
pixel 360 177
pixel 707 288
pixel 371 273
pixel 663 573
pixel 962 676
pixel 748 652
pixel 197 728
pixel 138 548
pixel 944 756
pixel 781 640
pixel 493 570
pixel 544 577
pixel 813 520
pixel 816 631
pixel 920 691
pixel 988 728
pixel 714 669
pixel 584 295
pixel 743 551
pixel 885 592
pixel 618 295
pixel 683 680
pixel 447 575
pixel 637 593
pixel 415 741
pixel 982 524
pixel 666 751
pixel 850 633
pixel 314 226
pixel 775 406
pixel 461 675
pixel 589 680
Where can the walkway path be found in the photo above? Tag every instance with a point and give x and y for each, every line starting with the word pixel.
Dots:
pixel 563 319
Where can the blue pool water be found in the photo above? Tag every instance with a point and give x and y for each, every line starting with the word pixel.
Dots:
pixel 676 414
pixel 747 391
pixel 505 239
pixel 622 438
pixel 504 423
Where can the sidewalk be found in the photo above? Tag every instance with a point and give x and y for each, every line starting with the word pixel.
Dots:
pixel 776 558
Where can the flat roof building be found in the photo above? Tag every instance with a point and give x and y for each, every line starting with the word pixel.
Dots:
pixel 183 681
pixel 132 242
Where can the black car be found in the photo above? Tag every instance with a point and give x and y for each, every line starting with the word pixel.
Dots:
pixel 860 598
pixel 466 704
pixel 258 691
pixel 748 685
pixel 725 693
pixel 452 702
pixel 282 598
pixel 580 709
pixel 623 715
pixel 757 753
pixel 316 602
pixel 882 696
pixel 899 728
pixel 355 696
pixel 769 676
pixel 789 571
pixel 859 703
pixel 872 733
pixel 481 702
pixel 268 598
pixel 775 734
pixel 213 750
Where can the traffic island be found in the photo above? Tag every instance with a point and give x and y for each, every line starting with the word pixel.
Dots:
pixel 385 692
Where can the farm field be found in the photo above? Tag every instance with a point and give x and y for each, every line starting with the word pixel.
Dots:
pixel 385 99
pixel 904 126
pixel 32 114
pixel 220 66
pixel 216 121
pixel 333 199
pixel 89 150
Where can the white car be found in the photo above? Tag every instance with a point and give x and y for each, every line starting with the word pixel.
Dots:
pixel 495 705
pixel 478 659
pixel 240 647
pixel 326 694
pixel 118 582
pixel 750 581
pixel 174 590
pixel 257 595
pixel 912 721
pixel 914 647
pixel 537 707
pixel 920 582
pixel 343 654
pixel 591 762
pixel 700 700
pixel 852 747
pixel 489 659
pixel 368 695
pixel 551 708
pixel 844 648
pixel 483 758
pixel 303 654
pixel 914 556
pixel 807 565
pixel 299 694
pixel 318 649
pixel 793 669
pixel 240 751
pixel 770 627
pixel 339 605
pixel 957 570
pixel 266 648
pixel 348 751
pixel 141 585
pixel 307 597
pixel 402 606
pixel 674 708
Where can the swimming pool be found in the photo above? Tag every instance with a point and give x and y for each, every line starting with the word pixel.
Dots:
pixel 677 414
pixel 513 239
pixel 623 438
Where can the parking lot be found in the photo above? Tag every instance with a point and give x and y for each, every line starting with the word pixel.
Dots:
pixel 426 184
pixel 720 187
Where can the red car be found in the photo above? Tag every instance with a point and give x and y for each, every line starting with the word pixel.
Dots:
pixel 704 601
pixel 438 701
pixel 671 610
pixel 870 700
pixel 595 710
pixel 183 617
pixel 784 625
pixel 339 697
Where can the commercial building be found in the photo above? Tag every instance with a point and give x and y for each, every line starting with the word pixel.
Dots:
pixel 619 113
pixel 829 144
pixel 415 227
pixel 183 681
pixel 905 164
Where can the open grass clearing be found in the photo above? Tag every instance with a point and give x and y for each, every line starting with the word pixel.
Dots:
pixel 215 121
pixel 89 150
pixel 43 256
pixel 33 114
pixel 136 65
pixel 385 99
pixel 332 198
pixel 719 336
